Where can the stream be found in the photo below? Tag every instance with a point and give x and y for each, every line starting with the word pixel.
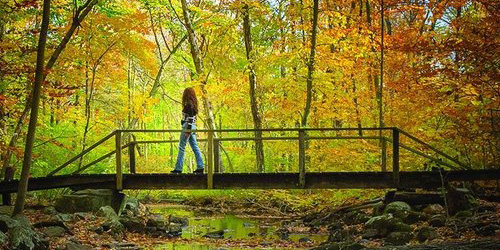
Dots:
pixel 236 228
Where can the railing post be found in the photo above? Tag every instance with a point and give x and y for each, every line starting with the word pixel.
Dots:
pixel 131 154
pixel 216 156
pixel 210 163
pixel 383 144
pixel 302 159
pixel 395 156
pixel 119 173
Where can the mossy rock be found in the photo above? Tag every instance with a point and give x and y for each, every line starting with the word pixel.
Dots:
pixel 398 208
pixel 438 220
pixel 414 217
pixel 401 227
pixel 399 238
pixel 22 236
pixel 426 233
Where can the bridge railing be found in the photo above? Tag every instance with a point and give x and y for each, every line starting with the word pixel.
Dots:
pixel 213 149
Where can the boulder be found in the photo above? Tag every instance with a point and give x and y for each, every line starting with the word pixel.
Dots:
pixel 108 213
pixel 178 220
pixel 133 224
pixel 401 227
pixel 50 210
pixel 370 233
pixel 414 217
pixel 90 200
pixel 433 209
pixel 113 226
pixel 384 224
pixel 339 246
pixel 53 231
pixel 77 246
pixel 399 238
pixel 438 220
pixel 22 236
pixel 215 235
pixel 340 235
pixel 459 199
pixel 175 229
pixel 157 221
pixel 426 233
pixel 398 208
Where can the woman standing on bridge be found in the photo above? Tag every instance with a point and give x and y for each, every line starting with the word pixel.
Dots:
pixel 188 122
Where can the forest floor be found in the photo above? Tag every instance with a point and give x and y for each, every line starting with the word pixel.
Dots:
pixel 349 225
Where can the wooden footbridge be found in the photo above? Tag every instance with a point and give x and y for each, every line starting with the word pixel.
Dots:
pixel 215 179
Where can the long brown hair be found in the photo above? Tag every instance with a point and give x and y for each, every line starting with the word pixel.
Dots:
pixel 189 98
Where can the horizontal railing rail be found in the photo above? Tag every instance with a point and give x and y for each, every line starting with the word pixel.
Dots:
pixel 213 152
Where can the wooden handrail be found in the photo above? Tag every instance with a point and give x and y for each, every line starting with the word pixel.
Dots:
pixel 82 153
pixel 434 149
pixel 99 159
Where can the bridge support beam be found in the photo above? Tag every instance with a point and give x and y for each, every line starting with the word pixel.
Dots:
pixel 210 161
pixel 395 157
pixel 302 159
pixel 119 173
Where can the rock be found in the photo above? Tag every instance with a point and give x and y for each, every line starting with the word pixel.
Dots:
pixel 399 238
pixel 433 209
pixel 340 235
pixel 133 224
pixel 305 240
pixel 64 217
pixel 6 222
pixel 114 226
pixel 108 213
pixel 459 199
pixel 370 234
pixel 283 233
pixel 77 246
pixel 487 230
pixel 401 227
pixel 339 246
pixel 414 217
pixel 53 231
pixel 437 220
pixel 464 214
pixel 22 236
pixel 355 217
pixel 157 221
pixel 384 224
pixel 426 233
pixel 90 200
pixel 50 210
pixel 178 220
pixel 398 208
pixel 215 235
pixel 175 229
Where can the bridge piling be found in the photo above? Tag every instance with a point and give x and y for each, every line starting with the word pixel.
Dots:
pixel 210 160
pixel 302 159
pixel 131 155
pixel 395 157
pixel 119 173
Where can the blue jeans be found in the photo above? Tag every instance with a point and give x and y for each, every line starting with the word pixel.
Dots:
pixel 194 145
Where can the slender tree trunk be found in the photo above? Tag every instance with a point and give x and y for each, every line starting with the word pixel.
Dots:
pixel 198 63
pixel 356 106
pixel 252 78
pixel 310 64
pixel 80 14
pixel 37 86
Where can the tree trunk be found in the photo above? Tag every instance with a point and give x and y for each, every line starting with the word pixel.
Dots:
pixel 252 78
pixel 80 14
pixel 310 64
pixel 37 85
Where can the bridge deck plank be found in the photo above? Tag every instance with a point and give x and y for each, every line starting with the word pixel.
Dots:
pixel 324 180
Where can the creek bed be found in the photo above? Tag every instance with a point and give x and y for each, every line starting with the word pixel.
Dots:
pixel 235 227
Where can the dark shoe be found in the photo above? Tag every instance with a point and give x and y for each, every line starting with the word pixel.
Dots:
pixel 176 172
pixel 198 171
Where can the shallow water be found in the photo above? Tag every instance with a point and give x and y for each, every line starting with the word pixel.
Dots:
pixel 234 227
